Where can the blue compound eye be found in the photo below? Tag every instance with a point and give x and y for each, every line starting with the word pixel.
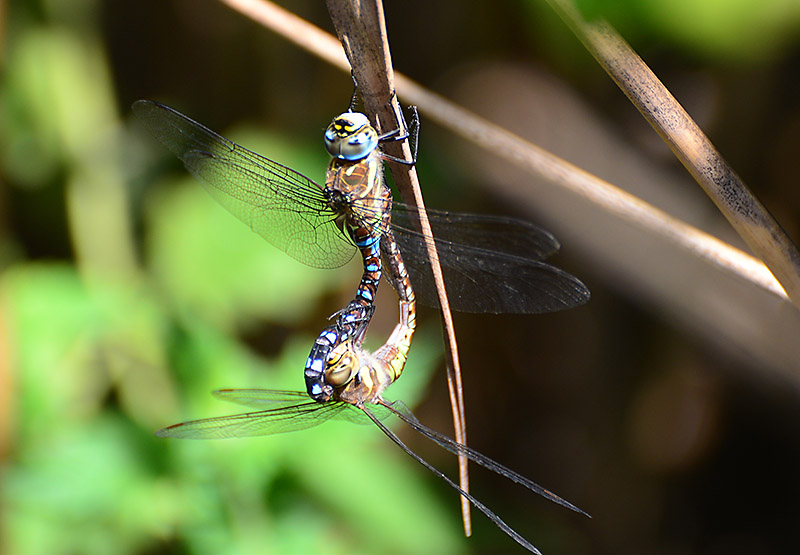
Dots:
pixel 350 137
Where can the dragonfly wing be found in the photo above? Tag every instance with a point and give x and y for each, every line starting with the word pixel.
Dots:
pixel 405 414
pixel 480 506
pixel 276 399
pixel 490 264
pixel 264 399
pixel 280 420
pixel 493 233
pixel 483 281
pixel 283 206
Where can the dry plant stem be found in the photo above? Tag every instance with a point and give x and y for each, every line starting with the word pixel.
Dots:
pixel 294 29
pixel 360 25
pixel 745 213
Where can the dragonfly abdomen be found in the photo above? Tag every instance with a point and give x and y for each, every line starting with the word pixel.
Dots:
pixel 394 352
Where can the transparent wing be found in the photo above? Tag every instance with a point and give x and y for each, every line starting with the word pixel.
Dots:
pixel 272 399
pixel 404 413
pixel 281 419
pixel 493 233
pixel 516 536
pixel 490 264
pixel 283 206
pixel 263 399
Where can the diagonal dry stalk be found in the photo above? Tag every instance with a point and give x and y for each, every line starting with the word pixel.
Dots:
pixel 751 220
pixel 361 28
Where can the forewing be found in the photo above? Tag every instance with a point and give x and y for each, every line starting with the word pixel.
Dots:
pixel 283 206
pixel 264 399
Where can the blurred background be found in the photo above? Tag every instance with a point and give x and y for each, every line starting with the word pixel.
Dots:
pixel 667 407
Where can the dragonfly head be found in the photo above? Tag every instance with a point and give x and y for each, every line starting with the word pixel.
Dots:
pixel 342 365
pixel 336 370
pixel 350 137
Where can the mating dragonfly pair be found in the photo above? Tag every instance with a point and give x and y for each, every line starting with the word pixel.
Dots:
pixel 490 264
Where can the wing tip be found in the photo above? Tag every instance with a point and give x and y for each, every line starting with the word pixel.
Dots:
pixel 166 432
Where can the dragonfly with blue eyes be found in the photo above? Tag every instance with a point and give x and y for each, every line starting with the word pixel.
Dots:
pixel 490 264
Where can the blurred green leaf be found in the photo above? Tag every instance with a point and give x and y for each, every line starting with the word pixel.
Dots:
pixel 84 486
pixel 231 496
pixel 57 103
pixel 74 344
pixel 733 30
pixel 212 265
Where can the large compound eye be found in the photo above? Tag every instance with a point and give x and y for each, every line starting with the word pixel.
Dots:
pixel 350 137
pixel 341 366
pixel 359 145
pixel 339 375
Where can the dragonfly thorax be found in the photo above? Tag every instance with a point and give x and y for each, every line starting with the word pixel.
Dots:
pixel 350 137
pixel 340 202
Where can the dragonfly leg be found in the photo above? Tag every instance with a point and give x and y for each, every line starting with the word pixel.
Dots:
pixel 408 132
pixel 354 97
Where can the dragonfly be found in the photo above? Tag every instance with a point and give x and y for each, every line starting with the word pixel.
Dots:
pixel 321 226
pixel 354 382
pixel 490 264
pixel 354 193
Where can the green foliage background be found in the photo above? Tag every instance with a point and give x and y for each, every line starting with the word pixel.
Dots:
pixel 127 295
pixel 133 332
